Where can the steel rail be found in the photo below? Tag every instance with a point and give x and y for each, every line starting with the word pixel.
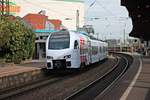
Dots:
pixel 121 75
pixel 92 83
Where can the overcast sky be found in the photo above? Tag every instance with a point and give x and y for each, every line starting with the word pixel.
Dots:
pixel 112 19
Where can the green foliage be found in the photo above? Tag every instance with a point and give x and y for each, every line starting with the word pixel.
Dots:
pixel 16 40
pixel 5 29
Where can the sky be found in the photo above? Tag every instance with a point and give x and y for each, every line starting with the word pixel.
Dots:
pixel 111 21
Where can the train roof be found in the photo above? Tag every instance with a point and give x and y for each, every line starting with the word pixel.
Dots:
pixel 91 37
pixel 83 33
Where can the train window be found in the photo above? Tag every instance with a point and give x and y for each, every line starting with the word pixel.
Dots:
pixel 103 49
pixel 106 49
pixel 76 45
pixel 59 40
pixel 100 49
pixel 94 50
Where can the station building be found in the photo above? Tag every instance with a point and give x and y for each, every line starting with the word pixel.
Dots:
pixel 42 26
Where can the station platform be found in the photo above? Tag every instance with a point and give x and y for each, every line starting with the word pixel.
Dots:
pixel 134 84
pixel 141 89
pixel 12 76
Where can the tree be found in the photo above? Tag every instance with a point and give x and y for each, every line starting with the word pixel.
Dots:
pixel 16 40
pixel 5 29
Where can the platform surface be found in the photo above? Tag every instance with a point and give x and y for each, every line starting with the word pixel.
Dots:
pixel 134 84
pixel 14 75
pixel 141 89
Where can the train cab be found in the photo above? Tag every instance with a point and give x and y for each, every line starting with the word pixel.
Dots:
pixel 62 50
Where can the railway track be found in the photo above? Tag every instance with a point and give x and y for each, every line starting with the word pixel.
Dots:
pixel 53 82
pixel 103 83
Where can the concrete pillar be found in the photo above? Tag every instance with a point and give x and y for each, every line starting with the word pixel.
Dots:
pixel 148 48
pixel 38 50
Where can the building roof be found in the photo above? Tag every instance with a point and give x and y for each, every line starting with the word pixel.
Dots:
pixel 56 22
pixel 41 23
pixel 37 21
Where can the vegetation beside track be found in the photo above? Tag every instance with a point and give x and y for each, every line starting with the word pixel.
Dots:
pixel 16 40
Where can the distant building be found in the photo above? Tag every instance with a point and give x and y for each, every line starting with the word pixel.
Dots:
pixel 37 21
pixel 42 27
pixel 57 23
pixel 117 45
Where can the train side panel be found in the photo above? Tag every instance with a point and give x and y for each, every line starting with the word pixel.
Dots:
pixel 94 51
pixel 84 50
pixel 75 45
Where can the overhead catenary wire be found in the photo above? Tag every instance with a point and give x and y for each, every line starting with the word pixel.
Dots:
pixel 96 2
pixel 104 8
pixel 110 20
pixel 107 10
pixel 92 3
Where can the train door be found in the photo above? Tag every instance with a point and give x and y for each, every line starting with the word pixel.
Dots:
pixel 89 52
pixel 76 54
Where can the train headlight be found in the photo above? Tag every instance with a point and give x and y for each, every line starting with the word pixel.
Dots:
pixel 49 57
pixel 67 56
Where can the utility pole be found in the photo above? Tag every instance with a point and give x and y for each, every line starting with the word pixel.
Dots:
pixel 77 19
pixel 120 45
pixel 97 35
pixel 124 35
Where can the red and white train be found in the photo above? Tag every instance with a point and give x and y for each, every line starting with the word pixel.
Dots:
pixel 71 49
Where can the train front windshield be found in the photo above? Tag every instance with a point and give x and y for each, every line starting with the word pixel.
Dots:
pixel 59 40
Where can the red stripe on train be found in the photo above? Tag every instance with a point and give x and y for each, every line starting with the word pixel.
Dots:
pixel 83 59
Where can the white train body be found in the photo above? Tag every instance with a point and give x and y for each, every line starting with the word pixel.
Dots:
pixel 69 49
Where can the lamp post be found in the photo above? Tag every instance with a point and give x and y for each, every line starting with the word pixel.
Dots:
pixel 77 19
pixel 124 34
pixel 97 35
